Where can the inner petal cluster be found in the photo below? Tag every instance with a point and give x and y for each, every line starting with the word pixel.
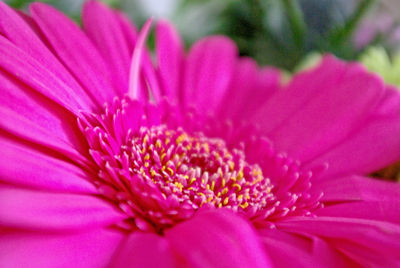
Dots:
pixel 160 175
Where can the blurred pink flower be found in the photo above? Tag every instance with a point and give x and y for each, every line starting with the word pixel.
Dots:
pixel 103 165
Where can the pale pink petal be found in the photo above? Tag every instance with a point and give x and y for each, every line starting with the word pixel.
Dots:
pixel 169 49
pixel 217 239
pixel 32 167
pixel 46 250
pixel 15 29
pixel 377 237
pixel 103 28
pixel 49 124
pixel 39 210
pixel 208 71
pixel 31 72
pixel 330 114
pixel 75 50
pixel 291 250
pixel 144 250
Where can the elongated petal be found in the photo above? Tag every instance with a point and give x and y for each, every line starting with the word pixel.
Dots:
pixel 75 50
pixel 89 249
pixel 15 29
pixel 38 210
pixel 285 103
pixel 49 124
pixel 366 236
pixel 217 239
pixel 357 188
pixel 249 88
pixel 26 69
pixel 329 115
pixel 208 71
pixel 103 28
pixel 28 167
pixel 291 250
pixel 169 50
pixel 144 250
pixel 371 146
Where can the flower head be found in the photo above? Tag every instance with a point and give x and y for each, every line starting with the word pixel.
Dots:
pixel 200 159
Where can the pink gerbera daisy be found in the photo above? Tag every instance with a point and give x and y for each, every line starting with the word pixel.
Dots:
pixel 201 159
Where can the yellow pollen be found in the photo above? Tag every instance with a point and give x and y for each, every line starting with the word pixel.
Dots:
pixel 225 191
pixel 147 157
pixel 192 180
pixel 245 205
pixel 212 185
pixel 158 144
pixel 240 175
pixel 223 182
pixel 170 171
pixel 237 186
pixel 226 200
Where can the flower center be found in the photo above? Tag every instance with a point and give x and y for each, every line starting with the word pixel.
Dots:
pixel 196 170
pixel 160 175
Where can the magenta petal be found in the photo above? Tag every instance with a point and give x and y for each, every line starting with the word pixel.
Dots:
pixel 15 29
pixel 169 50
pixel 329 115
pixel 24 166
pixel 33 73
pixel 217 239
pixel 75 50
pixel 357 188
pixel 208 71
pixel 377 237
pixel 89 249
pixel 144 250
pixel 290 250
pixel 104 29
pixel 49 124
pixel 302 87
pixel 370 148
pixel 26 209
pixel 250 87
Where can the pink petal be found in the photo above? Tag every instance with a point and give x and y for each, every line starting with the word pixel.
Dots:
pixel 250 87
pixel 38 210
pixel 302 87
pixel 208 72
pixel 88 249
pixel 144 250
pixel 148 73
pixel 15 29
pixel 75 50
pixel 357 188
pixel 290 250
pixel 104 29
pixel 217 239
pixel 49 124
pixel 330 114
pixel 169 49
pixel 371 147
pixel 374 210
pixel 40 77
pixel 35 168
pixel 377 237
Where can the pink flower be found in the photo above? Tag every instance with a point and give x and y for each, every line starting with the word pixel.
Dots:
pixel 108 161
